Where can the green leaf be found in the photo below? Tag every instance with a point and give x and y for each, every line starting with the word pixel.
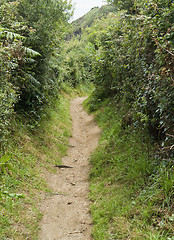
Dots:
pixel 10 35
pixel 32 79
pixel 31 52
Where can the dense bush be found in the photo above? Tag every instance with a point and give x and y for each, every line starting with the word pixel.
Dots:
pixel 30 37
pixel 47 21
pixel 76 65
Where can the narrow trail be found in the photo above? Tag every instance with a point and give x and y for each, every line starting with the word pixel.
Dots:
pixel 66 215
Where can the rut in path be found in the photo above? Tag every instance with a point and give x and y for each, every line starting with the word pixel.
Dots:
pixel 66 215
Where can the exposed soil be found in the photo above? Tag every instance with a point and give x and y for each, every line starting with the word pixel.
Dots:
pixel 66 211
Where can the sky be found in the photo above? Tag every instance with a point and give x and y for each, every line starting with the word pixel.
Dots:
pixel 84 6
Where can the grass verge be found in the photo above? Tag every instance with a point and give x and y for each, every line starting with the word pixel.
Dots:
pixel 31 151
pixel 132 194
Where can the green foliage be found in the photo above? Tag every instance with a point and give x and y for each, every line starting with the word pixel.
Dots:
pixel 47 22
pixel 30 36
pixel 128 5
pixel 75 67
pixel 131 192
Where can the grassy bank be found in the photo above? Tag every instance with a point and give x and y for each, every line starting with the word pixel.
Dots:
pixel 132 192
pixel 31 152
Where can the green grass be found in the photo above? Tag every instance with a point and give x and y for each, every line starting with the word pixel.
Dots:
pixel 132 195
pixel 31 152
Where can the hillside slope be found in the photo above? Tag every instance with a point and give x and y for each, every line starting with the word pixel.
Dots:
pixel 94 14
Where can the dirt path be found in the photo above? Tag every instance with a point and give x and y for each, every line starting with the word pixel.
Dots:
pixel 66 215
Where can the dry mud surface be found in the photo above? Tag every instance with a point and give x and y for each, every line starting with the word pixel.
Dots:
pixel 66 212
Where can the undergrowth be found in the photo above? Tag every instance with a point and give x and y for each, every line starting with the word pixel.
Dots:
pixel 132 192
pixel 31 151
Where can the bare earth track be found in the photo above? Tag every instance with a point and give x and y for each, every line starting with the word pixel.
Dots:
pixel 66 212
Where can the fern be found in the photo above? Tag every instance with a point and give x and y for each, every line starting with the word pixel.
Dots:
pixel 4 33
pixel 29 60
pixel 31 52
pixel 12 35
pixel 32 79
